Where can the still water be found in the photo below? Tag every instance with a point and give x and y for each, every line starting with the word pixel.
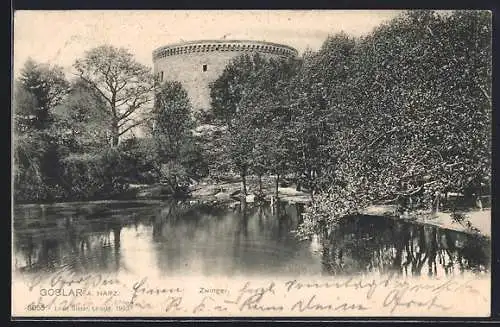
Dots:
pixel 182 238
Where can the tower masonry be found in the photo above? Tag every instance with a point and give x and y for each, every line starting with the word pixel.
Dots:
pixel 196 64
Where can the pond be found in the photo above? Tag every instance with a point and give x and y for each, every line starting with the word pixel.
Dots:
pixel 188 238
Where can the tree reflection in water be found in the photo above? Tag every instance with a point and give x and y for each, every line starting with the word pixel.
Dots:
pixel 243 238
pixel 68 237
pixel 377 244
pixel 78 253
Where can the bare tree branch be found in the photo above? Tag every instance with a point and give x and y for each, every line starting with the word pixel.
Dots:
pixel 130 127
pixel 124 83
pixel 94 86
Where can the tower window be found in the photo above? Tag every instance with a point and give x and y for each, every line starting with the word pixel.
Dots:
pixel 204 68
pixel 161 76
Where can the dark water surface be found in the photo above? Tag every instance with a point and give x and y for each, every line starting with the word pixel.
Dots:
pixel 172 238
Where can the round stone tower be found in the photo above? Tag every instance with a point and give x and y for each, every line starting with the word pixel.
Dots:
pixel 198 63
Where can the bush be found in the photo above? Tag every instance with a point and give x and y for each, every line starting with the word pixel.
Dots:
pixel 140 160
pixel 87 176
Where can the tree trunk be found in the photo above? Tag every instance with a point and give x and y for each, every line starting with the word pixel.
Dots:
pixel 117 243
pixel 438 195
pixel 115 134
pixel 243 184
pixel 260 184
pixel 326 259
pixel 479 203
pixel 276 192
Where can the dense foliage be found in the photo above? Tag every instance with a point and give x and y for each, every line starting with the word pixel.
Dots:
pixel 254 115
pixel 415 124
pixel 39 88
pixel 179 155
pixel 400 116
pixel 66 142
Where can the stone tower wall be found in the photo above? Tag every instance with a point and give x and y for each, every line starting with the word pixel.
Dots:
pixel 196 64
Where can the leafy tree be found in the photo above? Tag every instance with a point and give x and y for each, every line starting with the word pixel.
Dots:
pixel 212 142
pixel 268 99
pixel 124 84
pixel 173 121
pixel 62 135
pixel 248 99
pixel 24 104
pixel 319 93
pixel 27 173
pixel 227 91
pixel 425 116
pixel 233 109
pixel 179 155
pixel 39 89
pixel 238 143
pixel 416 117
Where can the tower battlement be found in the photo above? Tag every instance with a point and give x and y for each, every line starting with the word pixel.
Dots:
pixel 195 64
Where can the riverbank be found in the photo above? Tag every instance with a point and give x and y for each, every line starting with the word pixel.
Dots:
pixel 479 220
pixel 475 222
pixel 228 192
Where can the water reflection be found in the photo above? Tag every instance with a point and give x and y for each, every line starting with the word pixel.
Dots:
pixel 377 244
pixel 164 239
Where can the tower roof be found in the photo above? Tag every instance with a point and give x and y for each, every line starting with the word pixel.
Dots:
pixel 224 45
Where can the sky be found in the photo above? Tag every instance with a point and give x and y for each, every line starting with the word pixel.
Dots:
pixel 60 37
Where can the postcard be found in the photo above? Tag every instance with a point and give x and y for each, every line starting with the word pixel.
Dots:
pixel 272 163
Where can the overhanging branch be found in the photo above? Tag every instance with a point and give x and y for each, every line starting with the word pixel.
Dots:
pixel 94 86
pixel 130 127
